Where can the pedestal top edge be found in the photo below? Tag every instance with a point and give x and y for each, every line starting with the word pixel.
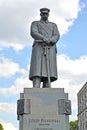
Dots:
pixel 44 90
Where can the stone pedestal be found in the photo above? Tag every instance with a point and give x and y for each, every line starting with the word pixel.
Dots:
pixel 43 109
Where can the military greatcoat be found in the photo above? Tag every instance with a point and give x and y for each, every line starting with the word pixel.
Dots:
pixel 39 66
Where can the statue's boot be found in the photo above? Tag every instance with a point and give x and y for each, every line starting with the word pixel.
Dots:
pixel 36 82
pixel 45 84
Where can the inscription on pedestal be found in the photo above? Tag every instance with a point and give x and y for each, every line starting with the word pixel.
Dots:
pixel 44 121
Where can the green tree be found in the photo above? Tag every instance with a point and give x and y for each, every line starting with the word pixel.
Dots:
pixel 1 127
pixel 73 125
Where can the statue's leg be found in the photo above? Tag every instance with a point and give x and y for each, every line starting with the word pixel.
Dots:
pixel 46 84
pixel 36 82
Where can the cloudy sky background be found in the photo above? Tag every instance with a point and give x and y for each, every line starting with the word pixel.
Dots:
pixel 16 46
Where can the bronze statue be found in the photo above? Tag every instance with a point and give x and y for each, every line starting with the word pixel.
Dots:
pixel 43 66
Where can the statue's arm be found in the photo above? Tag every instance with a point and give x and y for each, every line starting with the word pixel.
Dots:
pixel 55 36
pixel 34 31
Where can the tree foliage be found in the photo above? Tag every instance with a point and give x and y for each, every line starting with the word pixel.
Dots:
pixel 1 127
pixel 74 125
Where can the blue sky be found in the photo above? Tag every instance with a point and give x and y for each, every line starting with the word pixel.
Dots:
pixel 16 46
pixel 75 39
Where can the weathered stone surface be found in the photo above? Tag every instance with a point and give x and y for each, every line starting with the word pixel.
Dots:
pixel 44 109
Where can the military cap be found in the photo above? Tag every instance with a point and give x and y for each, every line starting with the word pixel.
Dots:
pixel 44 10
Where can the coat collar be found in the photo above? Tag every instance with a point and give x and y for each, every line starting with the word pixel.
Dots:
pixel 44 21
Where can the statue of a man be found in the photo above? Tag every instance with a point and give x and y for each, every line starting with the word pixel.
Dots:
pixel 43 66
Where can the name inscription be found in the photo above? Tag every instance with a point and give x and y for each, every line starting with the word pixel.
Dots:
pixel 44 121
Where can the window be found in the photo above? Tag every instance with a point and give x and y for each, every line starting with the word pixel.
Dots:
pixel 86 114
pixel 86 124
pixel 86 103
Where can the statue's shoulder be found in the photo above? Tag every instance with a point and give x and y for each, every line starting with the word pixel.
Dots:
pixel 52 23
pixel 35 22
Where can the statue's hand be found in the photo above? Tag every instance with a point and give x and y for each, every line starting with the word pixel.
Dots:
pixel 46 40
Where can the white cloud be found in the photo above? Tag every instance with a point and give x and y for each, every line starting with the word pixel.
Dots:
pixel 15 46
pixel 8 125
pixel 16 16
pixel 73 67
pixel 8 108
pixel 19 85
pixel 9 68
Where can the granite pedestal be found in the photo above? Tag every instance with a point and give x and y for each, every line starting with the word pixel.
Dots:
pixel 43 109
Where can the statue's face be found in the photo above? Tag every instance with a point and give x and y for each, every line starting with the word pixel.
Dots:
pixel 44 16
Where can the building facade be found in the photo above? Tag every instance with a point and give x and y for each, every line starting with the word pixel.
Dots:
pixel 82 108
